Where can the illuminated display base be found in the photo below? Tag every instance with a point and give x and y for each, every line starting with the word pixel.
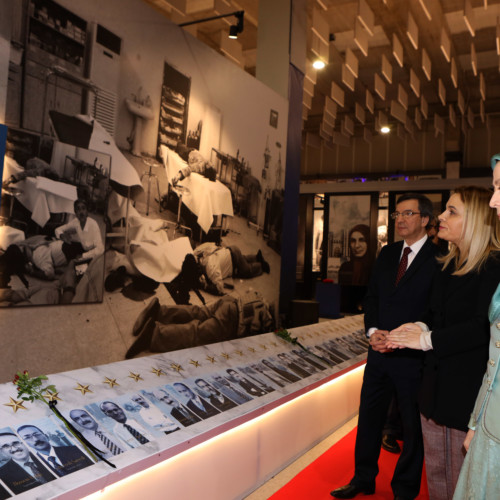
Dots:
pixel 226 455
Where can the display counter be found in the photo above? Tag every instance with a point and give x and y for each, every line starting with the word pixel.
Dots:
pixel 216 420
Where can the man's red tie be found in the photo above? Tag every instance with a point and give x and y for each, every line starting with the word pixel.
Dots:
pixel 403 264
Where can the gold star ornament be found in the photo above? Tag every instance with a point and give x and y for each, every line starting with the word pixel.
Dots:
pixel 225 355
pixel 15 405
pixel 211 359
pixel 239 353
pixel 194 363
pixel 251 349
pixel 110 381
pixel 176 367
pixel 82 388
pixel 52 396
pixel 157 371
pixel 135 376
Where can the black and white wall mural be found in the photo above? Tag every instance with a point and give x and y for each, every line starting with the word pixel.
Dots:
pixel 145 167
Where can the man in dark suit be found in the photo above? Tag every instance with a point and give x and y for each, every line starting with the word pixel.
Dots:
pixel 292 366
pixel 61 460
pixel 216 398
pixel 245 384
pixel 22 471
pixel 179 412
pixel 4 494
pixel 223 385
pixel 398 293
pixel 291 377
pixel 196 404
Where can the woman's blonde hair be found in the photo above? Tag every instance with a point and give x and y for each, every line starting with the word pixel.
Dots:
pixel 480 232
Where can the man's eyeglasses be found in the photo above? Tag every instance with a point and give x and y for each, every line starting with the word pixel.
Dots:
pixel 406 214
pixel 15 444
pixel 35 435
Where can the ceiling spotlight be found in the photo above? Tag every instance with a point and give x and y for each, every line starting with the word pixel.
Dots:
pixel 318 64
pixel 237 28
pixel 234 30
pixel 385 129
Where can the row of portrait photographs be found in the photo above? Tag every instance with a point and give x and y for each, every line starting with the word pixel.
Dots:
pixel 41 451
pixel 36 453
pixel 125 422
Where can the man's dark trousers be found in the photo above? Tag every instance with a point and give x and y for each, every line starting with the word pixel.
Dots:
pixel 386 307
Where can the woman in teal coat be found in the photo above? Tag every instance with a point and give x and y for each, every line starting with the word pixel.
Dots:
pixel 480 474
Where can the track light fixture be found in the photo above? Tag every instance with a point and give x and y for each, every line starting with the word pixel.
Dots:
pixel 234 30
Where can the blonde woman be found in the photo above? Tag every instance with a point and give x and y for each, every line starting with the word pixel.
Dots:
pixel 479 478
pixel 454 332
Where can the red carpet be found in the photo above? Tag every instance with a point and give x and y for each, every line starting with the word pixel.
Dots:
pixel 335 468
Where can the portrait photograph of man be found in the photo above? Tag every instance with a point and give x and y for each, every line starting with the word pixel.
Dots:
pixel 222 383
pixel 127 428
pixel 107 444
pixel 152 415
pixel 275 366
pixel 244 383
pixel 199 406
pixel 20 469
pixel 60 459
pixel 255 376
pixel 184 416
pixel 215 397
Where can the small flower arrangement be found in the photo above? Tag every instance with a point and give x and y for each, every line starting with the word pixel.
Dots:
pixel 31 389
pixel 285 335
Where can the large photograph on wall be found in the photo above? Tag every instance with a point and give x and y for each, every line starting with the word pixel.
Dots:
pixel 351 247
pixel 53 211
pixel 172 147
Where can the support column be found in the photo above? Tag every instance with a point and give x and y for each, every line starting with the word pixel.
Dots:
pixel 281 61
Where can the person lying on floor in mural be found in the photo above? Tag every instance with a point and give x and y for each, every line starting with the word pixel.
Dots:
pixel 195 163
pixel 38 256
pixel 161 328
pixel 220 262
pixel 69 287
pixel 82 229
pixel 35 167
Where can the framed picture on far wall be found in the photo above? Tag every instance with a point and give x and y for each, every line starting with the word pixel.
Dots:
pixel 352 245
pixel 273 118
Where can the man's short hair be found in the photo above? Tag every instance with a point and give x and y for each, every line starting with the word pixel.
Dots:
pixel 80 201
pixel 424 204
pixel 106 402
pixel 79 409
pixel 183 385
pixel 28 425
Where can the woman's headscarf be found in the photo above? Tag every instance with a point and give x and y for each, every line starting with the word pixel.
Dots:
pixel 358 269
